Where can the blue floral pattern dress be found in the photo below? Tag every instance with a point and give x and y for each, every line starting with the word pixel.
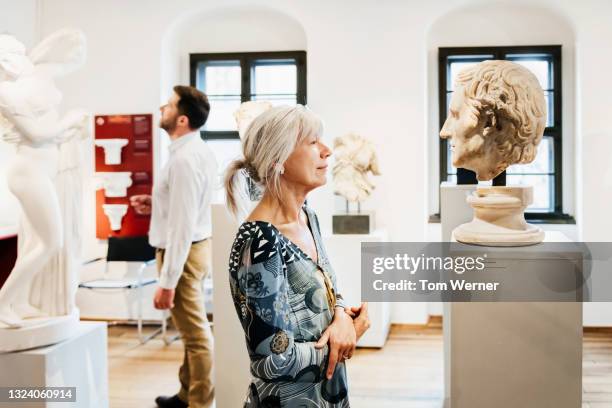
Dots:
pixel 285 301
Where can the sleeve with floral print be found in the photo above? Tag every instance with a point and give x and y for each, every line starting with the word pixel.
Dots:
pixel 260 292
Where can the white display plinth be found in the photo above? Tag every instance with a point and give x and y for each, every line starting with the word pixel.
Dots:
pixel 39 332
pixel 508 354
pixel 80 362
pixel 231 380
pixel 344 253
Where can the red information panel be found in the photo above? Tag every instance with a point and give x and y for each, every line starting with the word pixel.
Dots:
pixel 136 158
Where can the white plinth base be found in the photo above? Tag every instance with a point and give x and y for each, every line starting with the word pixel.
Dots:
pixel 39 332
pixel 478 232
pixel 80 362
pixel 510 355
pixel 231 380
pixel 499 218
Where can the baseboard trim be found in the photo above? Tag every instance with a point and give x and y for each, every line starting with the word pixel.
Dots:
pixel 597 330
pixel 435 322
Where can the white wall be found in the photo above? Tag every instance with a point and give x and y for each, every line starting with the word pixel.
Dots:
pixel 18 19
pixel 349 87
pixel 368 65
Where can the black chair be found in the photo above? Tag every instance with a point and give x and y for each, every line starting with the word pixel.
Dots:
pixel 134 250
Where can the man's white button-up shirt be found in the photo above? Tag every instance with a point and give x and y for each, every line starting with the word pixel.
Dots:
pixel 182 194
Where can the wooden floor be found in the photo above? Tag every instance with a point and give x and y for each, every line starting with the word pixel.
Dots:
pixel 597 370
pixel 406 373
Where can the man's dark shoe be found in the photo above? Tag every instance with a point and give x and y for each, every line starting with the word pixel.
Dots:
pixel 170 402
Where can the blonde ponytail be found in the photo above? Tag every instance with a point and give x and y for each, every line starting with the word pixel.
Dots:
pixel 230 183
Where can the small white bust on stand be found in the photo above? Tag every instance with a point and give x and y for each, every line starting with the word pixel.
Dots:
pixel 37 300
pixel 497 118
pixel 355 157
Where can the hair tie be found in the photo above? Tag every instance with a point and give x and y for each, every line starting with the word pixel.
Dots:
pixel 254 190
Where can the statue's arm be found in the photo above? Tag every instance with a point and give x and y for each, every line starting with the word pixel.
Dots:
pixel 46 128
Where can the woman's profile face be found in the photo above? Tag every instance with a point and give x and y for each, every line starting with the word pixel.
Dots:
pixel 307 164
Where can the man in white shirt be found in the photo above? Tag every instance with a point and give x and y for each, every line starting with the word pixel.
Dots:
pixel 181 230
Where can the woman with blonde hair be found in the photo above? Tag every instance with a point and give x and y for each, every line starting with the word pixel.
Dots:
pixel 298 332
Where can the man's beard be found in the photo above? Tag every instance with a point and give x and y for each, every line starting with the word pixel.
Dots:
pixel 168 125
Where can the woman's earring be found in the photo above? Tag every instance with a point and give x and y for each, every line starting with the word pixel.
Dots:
pixel 280 168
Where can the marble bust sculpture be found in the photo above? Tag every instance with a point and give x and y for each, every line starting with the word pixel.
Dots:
pixel 355 157
pixel 46 177
pixel 497 118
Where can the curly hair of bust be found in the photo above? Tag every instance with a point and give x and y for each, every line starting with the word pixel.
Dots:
pixel 511 97
pixel 268 142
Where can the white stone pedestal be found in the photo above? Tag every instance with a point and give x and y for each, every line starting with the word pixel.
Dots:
pixel 39 332
pixel 231 380
pixel 499 218
pixel 80 362
pixel 511 355
pixel 508 355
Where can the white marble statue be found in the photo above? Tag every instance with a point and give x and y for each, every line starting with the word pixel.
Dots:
pixel 497 118
pixel 46 177
pixel 355 157
pixel 247 192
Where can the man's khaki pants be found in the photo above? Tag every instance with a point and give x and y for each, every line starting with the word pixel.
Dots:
pixel 189 317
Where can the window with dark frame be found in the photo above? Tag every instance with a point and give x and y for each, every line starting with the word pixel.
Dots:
pixel 544 173
pixel 232 78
